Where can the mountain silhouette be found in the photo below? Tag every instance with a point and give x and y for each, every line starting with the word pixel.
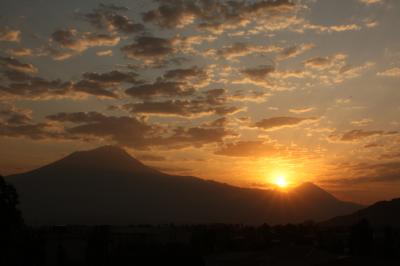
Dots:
pixel 108 186
pixel 382 213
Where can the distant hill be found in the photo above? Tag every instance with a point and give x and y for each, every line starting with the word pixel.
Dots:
pixel 107 186
pixel 382 213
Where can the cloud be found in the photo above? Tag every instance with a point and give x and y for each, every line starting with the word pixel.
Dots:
pixel 239 49
pixel 318 62
pixel 14 116
pixel 248 149
pixel 216 16
pixel 371 2
pixel 170 107
pixel 334 69
pixel 160 88
pixel 367 173
pixel 14 64
pixel 37 88
pixel 38 131
pixel 135 133
pixel 20 52
pixel 173 14
pixel 361 122
pixel 295 50
pixel 279 122
pixel 104 53
pixel 358 134
pixel 195 76
pixel 258 73
pixel 9 35
pixel 371 23
pixel 94 88
pixel 391 72
pixel 148 47
pixel 113 77
pixel 186 108
pixel 197 136
pixel 79 42
pixel 56 54
pixel 301 110
pixel 221 16
pixel 248 96
pixel 17 123
pixel 102 85
pixel 326 29
pixel 183 74
pixel 108 17
pixel 128 131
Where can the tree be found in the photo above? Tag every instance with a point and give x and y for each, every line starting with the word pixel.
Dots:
pixel 11 218
pixel 11 225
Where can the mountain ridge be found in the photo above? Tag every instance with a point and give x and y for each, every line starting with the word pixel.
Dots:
pixel 381 213
pixel 108 186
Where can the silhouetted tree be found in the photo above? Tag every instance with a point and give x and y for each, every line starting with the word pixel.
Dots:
pixel 10 216
pixel 10 223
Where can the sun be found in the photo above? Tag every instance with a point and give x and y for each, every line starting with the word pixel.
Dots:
pixel 281 181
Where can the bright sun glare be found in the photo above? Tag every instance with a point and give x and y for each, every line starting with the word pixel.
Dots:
pixel 280 181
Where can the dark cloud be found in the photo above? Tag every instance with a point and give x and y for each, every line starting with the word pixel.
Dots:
pixel 196 136
pixel 171 14
pixel 9 63
pixel 274 123
pixel 13 116
pixel 37 88
pixel 79 42
pixel 207 102
pixel 187 108
pixel 136 133
pixel 112 77
pixel 33 131
pixel 185 73
pixel 94 88
pixel 103 85
pixel 160 88
pixel 214 15
pixel 248 149
pixel 108 17
pixel 146 46
pixel 128 131
pixel 370 173
pixel 259 73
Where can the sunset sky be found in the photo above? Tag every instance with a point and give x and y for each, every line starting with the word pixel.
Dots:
pixel 235 91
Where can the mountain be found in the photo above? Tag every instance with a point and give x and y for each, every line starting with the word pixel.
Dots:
pixel 107 186
pixel 382 213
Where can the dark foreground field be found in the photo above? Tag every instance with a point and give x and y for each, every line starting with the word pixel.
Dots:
pixel 218 244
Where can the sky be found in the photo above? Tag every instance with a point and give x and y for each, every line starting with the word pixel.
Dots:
pixel 234 91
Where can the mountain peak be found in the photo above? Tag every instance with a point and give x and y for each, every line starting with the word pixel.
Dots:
pixel 106 150
pixel 313 191
pixel 308 185
pixel 104 157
